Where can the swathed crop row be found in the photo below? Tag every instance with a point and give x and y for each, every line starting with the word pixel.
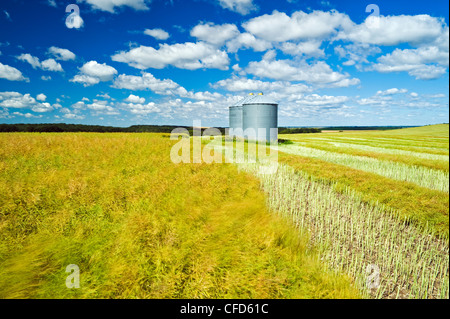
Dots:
pixel 392 151
pixel 440 149
pixel 352 235
pixel 422 176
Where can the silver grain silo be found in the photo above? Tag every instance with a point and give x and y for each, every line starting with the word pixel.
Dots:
pixel 235 117
pixel 260 115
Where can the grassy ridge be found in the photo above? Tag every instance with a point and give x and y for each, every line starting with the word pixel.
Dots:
pixel 139 226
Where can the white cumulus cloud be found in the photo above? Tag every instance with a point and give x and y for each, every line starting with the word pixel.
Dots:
pixel 41 97
pixel 93 72
pixel 309 48
pixel 162 87
pixel 27 115
pixel 159 34
pixel 236 84
pixel 392 91
pixel 279 27
pixel 110 5
pixel 145 82
pixel 423 63
pixel 187 55
pixel 241 6
pixel 99 70
pixel 135 99
pixel 319 73
pixel 248 41
pixel 61 54
pixel 86 80
pixel 215 34
pixel 51 65
pixel 46 65
pixel 10 73
pixel 140 108
pixel 18 100
pixel 393 30
pixel 32 60
pixel 74 21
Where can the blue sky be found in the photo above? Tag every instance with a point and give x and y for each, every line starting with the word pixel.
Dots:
pixel 126 62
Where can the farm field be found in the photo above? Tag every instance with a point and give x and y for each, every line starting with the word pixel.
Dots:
pixel 341 208
pixel 397 180
pixel 139 226
pixel 383 209
pixel 409 182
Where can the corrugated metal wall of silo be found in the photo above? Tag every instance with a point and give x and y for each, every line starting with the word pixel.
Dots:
pixel 260 113
pixel 235 120
pixel 236 116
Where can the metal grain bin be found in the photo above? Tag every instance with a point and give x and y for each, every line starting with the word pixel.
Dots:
pixel 260 115
pixel 235 117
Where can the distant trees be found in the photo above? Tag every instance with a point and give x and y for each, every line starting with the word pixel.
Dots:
pixel 362 128
pixel 8 128
pixel 283 130
pixel 62 127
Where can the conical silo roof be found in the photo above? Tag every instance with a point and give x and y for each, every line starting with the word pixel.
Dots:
pixel 245 100
pixel 260 99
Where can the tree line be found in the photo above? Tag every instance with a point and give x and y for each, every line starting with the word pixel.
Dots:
pixel 62 127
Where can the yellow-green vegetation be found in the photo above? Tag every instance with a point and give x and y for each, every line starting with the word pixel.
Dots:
pixel 419 175
pixel 439 162
pixel 431 139
pixel 438 131
pixel 352 235
pixel 361 214
pixel 139 226
pixel 420 205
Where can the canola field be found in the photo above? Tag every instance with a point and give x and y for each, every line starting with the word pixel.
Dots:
pixel 346 215
pixel 370 200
